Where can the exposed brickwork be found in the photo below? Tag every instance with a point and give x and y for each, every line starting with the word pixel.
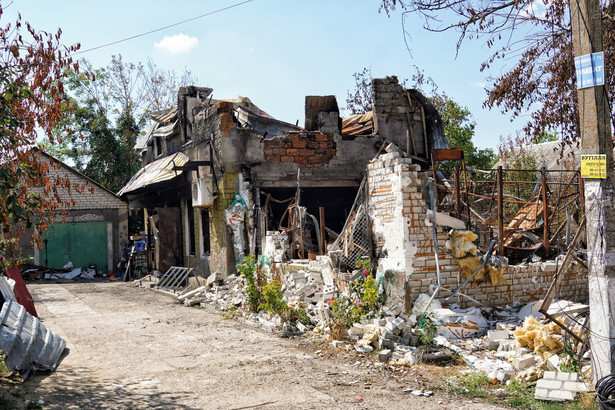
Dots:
pixel 306 149
pixel 397 199
pixel 83 193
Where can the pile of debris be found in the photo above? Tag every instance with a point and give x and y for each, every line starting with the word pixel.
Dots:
pixel 505 343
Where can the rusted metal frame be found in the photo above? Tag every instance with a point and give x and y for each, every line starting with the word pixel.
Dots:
pixel 557 231
pixel 581 192
pixel 548 299
pixel 458 191
pixel 500 211
pixel 563 326
pixel 560 196
pixel 467 191
pixel 545 211
pixel 524 219
pixel 495 185
pixel 533 170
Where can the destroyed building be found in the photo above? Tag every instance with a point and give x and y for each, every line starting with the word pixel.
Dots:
pixel 218 175
pixel 222 178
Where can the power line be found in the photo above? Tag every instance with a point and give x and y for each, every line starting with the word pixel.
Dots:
pixel 162 28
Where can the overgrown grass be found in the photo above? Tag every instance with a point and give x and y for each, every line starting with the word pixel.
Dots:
pixel 520 395
pixel 471 384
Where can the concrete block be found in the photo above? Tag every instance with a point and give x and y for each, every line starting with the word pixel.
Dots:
pixel 541 394
pixel 399 323
pixel 564 376
pixel 498 335
pixel 387 343
pixel 550 375
pixel 549 384
pixel 379 322
pixel 575 387
pixel 561 395
pixel 507 345
pixel 522 351
pixel 491 344
pixel 384 355
pixel 523 362
pixel 553 363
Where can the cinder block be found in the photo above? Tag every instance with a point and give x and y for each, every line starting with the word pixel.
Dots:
pixel 541 394
pixel 384 355
pixel 498 335
pixel 550 375
pixel 561 395
pixel 523 362
pixel 564 376
pixel 548 384
pixel 575 387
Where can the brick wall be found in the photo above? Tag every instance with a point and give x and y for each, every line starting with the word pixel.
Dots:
pixel 306 149
pixel 84 193
pixel 403 241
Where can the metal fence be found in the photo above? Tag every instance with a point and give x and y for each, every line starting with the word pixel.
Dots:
pixel 354 242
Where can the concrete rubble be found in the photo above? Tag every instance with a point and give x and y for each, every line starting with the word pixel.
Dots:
pixel 507 343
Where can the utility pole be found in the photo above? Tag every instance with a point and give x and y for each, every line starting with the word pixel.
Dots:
pixel 599 191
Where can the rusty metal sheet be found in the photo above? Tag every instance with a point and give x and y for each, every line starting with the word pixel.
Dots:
pixel 160 170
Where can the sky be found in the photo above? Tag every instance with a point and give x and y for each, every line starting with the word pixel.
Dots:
pixel 275 52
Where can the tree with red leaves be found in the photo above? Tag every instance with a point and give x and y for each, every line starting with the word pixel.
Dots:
pixel 32 102
pixel 537 37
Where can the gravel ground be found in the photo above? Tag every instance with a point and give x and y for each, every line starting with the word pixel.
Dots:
pixel 135 348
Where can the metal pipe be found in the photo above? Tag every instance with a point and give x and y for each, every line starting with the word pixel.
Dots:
pixel 432 188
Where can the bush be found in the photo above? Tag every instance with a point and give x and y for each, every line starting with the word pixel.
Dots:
pixel 263 293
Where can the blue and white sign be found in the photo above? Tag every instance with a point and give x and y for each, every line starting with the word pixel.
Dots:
pixel 590 70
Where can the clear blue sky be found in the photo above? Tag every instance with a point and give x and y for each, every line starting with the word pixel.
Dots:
pixel 275 51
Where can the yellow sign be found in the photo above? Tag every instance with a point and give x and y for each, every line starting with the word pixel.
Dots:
pixel 593 166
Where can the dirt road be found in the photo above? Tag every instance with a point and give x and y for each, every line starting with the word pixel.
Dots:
pixel 135 348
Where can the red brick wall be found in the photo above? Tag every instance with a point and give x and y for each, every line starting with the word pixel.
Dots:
pixel 307 149
pixel 225 110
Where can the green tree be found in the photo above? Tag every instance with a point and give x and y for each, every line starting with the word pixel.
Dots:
pixel 534 38
pixel 111 105
pixel 459 129
pixel 459 126
pixel 32 70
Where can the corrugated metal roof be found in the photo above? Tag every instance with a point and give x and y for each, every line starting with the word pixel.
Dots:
pixel 358 124
pixel 263 123
pixel 158 171
pixel 27 344
pixel 164 124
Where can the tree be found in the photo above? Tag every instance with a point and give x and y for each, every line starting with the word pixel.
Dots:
pixel 538 36
pixel 110 108
pixel 360 100
pixel 459 129
pixel 457 120
pixel 32 97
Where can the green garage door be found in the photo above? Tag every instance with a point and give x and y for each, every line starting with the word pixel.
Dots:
pixel 83 244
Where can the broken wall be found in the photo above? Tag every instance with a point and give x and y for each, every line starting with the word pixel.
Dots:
pixel 403 244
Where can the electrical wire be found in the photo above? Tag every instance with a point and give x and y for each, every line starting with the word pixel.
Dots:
pixel 162 28
pixel 605 391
